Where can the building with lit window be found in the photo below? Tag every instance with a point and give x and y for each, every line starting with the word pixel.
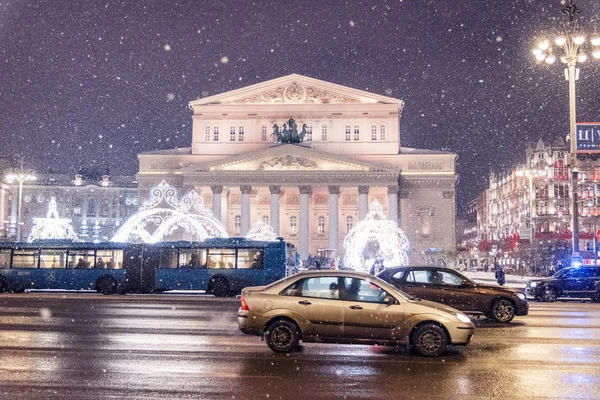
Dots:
pixel 311 193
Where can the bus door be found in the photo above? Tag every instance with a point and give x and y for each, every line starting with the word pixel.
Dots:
pixel 181 269
pixel 275 263
pixel 139 262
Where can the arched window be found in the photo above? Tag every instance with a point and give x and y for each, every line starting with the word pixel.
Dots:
pixel 263 133
pixel 356 132
pixel 373 132
pixel 237 224
pixel 308 132
pixel 349 224
pixel 293 225
pixel 77 205
pixel 348 132
pixel 241 133
pixel 216 133
pixel 232 133
pixel 321 225
pixel 207 133
pixel 265 219
pixel 324 133
pixel 382 132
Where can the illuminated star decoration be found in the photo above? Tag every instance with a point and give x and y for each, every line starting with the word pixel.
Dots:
pixel 261 231
pixel 163 217
pixel 52 227
pixel 374 239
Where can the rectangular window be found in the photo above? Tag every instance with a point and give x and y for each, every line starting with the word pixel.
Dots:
pixel 167 258
pixel 91 211
pixel 215 134
pixel 382 132
pixel 109 259
pixel 192 258
pixel 250 259
pixel 348 132
pixel 356 132
pixel 5 258
pixel 309 132
pixel 25 259
pixel 53 259
pixel 374 132
pixel 241 133
pixel 221 258
pixel 263 133
pixel 232 134
pixel 324 133
pixel 81 259
pixel 207 133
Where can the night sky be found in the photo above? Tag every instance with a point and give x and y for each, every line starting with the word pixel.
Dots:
pixel 96 82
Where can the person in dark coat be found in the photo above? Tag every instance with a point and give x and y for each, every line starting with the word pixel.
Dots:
pixel 500 276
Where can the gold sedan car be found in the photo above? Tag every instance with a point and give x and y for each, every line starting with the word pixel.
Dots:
pixel 348 307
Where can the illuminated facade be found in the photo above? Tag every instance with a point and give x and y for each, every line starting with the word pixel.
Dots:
pixel 311 193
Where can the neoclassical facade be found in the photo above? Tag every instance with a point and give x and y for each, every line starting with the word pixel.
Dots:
pixel 314 192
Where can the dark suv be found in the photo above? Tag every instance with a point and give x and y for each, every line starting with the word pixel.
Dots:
pixel 577 282
pixel 450 287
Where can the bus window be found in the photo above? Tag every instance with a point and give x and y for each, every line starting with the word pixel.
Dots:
pixel 109 259
pixel 25 259
pixel 167 258
pixel 53 258
pixel 221 258
pixel 81 259
pixel 250 258
pixel 5 258
pixel 192 258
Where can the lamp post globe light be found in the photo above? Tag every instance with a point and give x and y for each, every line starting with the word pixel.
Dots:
pixel 568 43
pixel 20 177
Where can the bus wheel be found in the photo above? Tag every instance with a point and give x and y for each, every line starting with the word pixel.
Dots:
pixel 3 284
pixel 106 285
pixel 219 286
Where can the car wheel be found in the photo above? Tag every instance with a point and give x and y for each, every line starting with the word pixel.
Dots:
pixel 549 294
pixel 219 286
pixel 429 340
pixel 503 311
pixel 106 285
pixel 3 284
pixel 282 336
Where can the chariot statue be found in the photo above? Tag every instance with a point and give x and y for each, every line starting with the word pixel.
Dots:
pixel 289 133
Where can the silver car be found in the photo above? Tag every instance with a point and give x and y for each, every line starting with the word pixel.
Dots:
pixel 348 307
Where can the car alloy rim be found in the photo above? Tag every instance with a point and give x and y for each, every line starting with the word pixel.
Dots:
pixel 549 294
pixel 282 336
pixel 431 340
pixel 504 310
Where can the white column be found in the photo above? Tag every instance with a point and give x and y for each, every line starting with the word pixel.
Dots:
pixel 393 203
pixel 304 226
pixel 334 197
pixel 217 190
pixel 363 202
pixel 245 189
pixel 274 215
pixel 13 214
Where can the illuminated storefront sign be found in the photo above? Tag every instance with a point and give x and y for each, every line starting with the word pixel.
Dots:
pixel 588 137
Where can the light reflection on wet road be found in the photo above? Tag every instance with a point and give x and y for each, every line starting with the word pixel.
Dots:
pixel 78 346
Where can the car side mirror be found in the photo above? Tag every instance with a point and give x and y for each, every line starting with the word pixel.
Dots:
pixel 388 300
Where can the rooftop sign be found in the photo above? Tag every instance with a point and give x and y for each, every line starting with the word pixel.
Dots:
pixel 588 137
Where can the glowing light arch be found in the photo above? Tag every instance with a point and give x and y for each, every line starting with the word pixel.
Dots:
pixel 261 231
pixel 373 239
pixel 52 227
pixel 187 217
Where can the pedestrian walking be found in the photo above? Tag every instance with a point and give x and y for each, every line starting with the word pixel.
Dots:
pixel 500 276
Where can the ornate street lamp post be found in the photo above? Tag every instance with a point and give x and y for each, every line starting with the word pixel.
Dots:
pixel 570 42
pixel 20 177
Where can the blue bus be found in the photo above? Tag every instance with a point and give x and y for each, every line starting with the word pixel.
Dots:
pixel 217 266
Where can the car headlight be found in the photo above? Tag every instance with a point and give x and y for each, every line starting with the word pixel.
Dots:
pixel 521 296
pixel 463 318
pixel 532 284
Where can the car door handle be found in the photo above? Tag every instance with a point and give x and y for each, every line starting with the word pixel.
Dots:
pixel 356 308
pixel 305 303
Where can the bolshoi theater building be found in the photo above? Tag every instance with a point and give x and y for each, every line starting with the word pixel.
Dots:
pixel 308 157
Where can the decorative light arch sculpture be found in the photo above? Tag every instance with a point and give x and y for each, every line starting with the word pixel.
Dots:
pixel 52 227
pixel 261 231
pixel 375 239
pixel 163 215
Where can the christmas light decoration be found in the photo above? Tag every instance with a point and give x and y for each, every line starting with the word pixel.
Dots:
pixel 52 227
pixel 373 241
pixel 164 217
pixel 261 231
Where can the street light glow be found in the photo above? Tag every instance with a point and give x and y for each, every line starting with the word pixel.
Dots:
pixel 544 45
pixel 550 59
pixel 579 39
pixel 582 57
pixel 560 41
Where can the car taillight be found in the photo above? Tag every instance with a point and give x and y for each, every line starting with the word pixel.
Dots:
pixel 244 304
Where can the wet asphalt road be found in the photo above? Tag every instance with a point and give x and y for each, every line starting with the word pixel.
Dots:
pixel 80 346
